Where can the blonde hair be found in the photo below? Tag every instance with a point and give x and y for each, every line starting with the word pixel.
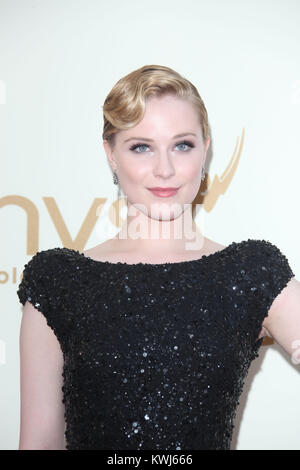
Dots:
pixel 125 104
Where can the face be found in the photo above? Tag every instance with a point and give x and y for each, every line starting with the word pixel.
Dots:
pixel 150 155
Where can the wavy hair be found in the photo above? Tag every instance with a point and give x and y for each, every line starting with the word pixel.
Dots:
pixel 125 104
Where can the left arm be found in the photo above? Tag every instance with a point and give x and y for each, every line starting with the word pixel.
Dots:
pixel 283 321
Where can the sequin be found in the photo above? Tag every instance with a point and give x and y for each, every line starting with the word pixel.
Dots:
pixel 165 367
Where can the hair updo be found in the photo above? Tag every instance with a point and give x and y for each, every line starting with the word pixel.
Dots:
pixel 124 106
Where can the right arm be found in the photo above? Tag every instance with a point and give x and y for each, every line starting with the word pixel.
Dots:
pixel 42 423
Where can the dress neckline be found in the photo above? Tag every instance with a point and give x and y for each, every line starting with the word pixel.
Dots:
pixel 211 256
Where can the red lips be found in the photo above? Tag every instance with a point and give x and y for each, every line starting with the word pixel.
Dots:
pixel 162 189
pixel 163 192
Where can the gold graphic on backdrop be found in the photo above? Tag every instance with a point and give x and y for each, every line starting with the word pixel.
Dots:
pixel 32 219
pixel 267 340
pixel 86 228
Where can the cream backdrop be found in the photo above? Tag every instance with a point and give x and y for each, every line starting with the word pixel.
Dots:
pixel 59 59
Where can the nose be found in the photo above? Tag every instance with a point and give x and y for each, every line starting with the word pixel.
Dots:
pixel 163 166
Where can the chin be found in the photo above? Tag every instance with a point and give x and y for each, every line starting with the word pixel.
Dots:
pixel 165 213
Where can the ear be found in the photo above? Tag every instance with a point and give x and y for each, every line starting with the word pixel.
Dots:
pixel 206 145
pixel 110 154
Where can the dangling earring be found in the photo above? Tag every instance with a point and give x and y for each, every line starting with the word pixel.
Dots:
pixel 116 181
pixel 115 178
pixel 203 174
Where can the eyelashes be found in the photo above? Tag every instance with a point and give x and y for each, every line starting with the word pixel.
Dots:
pixel 183 142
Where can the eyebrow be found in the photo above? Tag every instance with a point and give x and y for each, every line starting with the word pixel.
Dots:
pixel 151 140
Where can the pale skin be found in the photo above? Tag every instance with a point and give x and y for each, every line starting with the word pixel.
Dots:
pixel 163 162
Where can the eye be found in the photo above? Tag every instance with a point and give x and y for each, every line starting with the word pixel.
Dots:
pixel 136 146
pixel 185 143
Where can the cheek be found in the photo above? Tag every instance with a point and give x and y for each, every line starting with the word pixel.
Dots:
pixel 191 178
pixel 133 177
pixel 190 170
pixel 134 171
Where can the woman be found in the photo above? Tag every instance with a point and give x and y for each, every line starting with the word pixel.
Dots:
pixel 145 340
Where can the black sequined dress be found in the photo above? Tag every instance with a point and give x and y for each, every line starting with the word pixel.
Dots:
pixel 155 355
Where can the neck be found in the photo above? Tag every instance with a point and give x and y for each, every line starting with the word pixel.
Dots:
pixel 143 234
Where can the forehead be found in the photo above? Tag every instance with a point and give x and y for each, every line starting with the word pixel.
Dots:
pixel 165 116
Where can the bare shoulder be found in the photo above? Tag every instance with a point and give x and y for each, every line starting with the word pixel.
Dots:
pixel 101 251
pixel 212 246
